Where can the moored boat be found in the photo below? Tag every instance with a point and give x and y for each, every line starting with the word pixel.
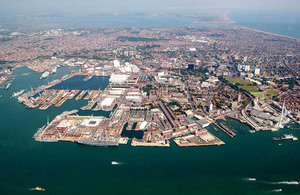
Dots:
pixel 285 137
pixel 45 74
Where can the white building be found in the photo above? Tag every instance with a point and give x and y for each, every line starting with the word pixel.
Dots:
pixel 117 64
pixel 118 78
pixel 257 71
pixel 107 102
pixel 247 68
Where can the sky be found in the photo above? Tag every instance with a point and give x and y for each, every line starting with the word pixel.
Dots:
pixel 154 6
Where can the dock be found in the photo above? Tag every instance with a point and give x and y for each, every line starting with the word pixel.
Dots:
pixel 229 132
pixel 89 106
pixel 82 93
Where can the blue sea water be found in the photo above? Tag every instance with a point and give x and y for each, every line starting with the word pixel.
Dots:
pixel 282 23
pixel 77 82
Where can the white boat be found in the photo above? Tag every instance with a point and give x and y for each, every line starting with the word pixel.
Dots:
pixel 8 85
pixel 252 179
pixel 114 163
pixel 16 94
pixel 54 70
pixel 25 74
pixel 45 74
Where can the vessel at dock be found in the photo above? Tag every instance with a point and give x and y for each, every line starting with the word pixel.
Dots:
pixel 285 137
pixel 105 143
pixel 45 74
pixel 16 94
pixel 54 70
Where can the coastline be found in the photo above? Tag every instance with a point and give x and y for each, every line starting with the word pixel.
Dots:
pixel 269 33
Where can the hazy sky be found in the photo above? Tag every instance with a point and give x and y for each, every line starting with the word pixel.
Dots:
pixel 100 6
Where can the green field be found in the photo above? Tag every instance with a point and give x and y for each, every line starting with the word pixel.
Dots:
pixel 236 80
pixel 258 94
pixel 272 92
pixel 249 88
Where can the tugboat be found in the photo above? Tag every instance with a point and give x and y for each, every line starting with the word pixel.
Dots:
pixel 285 137
pixel 39 189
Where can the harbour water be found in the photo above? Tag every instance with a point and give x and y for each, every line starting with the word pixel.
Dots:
pixel 69 168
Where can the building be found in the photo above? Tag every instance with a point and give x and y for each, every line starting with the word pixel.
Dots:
pixel 117 64
pixel 118 78
pixel 257 71
pixel 203 122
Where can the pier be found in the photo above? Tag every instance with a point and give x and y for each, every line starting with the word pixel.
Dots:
pixel 225 129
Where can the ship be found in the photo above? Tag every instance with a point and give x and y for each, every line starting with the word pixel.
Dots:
pixel 114 163
pixel 54 70
pixel 8 85
pixel 45 74
pixel 285 137
pixel 16 94
pixel 39 189
pixel 105 143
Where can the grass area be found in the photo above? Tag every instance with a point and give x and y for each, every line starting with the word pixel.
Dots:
pixel 236 80
pixel 258 94
pixel 272 92
pixel 249 88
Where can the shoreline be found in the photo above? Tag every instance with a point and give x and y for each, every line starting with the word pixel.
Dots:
pixel 268 33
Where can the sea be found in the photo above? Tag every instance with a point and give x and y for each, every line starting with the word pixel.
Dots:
pixel 281 23
pixel 249 163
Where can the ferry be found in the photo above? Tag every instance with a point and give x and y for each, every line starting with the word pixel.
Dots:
pixel 285 137
pixel 45 74
pixel 16 94
pixel 39 189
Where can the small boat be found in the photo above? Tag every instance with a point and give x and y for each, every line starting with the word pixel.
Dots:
pixel 54 70
pixel 252 179
pixel 251 131
pixel 39 189
pixel 114 163
pixel 277 190
pixel 25 74
pixel 286 137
